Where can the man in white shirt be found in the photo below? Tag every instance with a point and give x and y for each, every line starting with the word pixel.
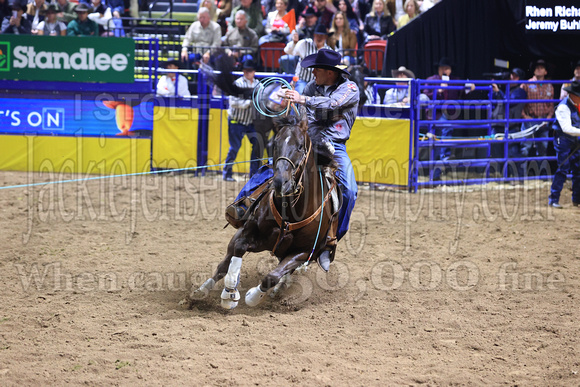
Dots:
pixel 166 86
pixel 567 146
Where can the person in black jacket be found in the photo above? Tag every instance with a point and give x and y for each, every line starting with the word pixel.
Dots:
pixel 379 23
pixel 16 24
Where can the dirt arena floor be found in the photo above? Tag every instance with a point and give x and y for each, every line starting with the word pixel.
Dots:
pixel 462 286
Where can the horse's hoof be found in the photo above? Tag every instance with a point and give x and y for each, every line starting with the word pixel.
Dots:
pixel 254 296
pixel 199 294
pixel 229 304
pixel 203 291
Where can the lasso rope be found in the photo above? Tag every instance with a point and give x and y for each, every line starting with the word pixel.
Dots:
pixel 258 94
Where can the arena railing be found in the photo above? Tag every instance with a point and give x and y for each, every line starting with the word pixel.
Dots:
pixel 478 141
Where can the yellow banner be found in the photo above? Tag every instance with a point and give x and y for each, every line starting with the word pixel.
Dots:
pixel 175 137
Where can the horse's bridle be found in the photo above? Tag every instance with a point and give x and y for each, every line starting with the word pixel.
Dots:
pixel 297 169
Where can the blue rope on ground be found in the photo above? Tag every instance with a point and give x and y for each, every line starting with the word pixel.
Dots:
pixel 126 174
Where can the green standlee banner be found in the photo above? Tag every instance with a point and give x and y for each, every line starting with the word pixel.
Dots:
pixel 67 58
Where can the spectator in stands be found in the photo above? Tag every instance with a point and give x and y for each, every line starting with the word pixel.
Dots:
pixel 537 110
pixel 396 8
pixel 307 23
pixel 412 11
pixel 101 15
pixel 276 29
pixel 211 6
pixel 399 95
pixel 576 77
pixel 203 34
pixel 241 115
pixel 253 11
pixel 36 12
pixel 343 39
pixel 304 47
pixel 379 23
pixel 425 5
pixel 224 11
pixel 166 84
pixel 16 23
pixel 117 7
pixel 443 112
pixel 67 11
pixel 566 144
pixel 325 15
pixel 50 25
pixel 241 36
pixel 354 22
pixel 82 26
pixel 4 9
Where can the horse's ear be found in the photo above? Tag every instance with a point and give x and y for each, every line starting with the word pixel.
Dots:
pixel 303 119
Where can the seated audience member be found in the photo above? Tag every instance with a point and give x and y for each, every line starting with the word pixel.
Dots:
pixel 399 95
pixel 306 24
pixel 343 39
pixel 4 9
pixel 67 11
pixel 117 7
pixel 16 23
pixel 211 6
pixel 325 15
pixel 36 12
pixel 253 11
pixel 101 15
pixel 396 8
pixel 301 49
pixel 379 23
pixel 82 26
pixel 276 29
pixel 576 77
pixel 412 11
pixel 166 84
pixel 354 22
pixel 50 25
pixel 241 36
pixel 202 35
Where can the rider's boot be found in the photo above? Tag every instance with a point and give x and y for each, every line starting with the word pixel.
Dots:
pixel 236 212
pixel 327 256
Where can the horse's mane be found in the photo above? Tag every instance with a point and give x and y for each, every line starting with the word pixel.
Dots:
pixel 295 121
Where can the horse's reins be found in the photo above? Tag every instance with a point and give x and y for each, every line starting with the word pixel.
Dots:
pixel 291 226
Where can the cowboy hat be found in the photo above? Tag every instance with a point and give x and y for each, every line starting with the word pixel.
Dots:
pixel 444 61
pixel 539 62
pixel 249 65
pixel 53 8
pixel 82 7
pixel 402 70
pixel 573 88
pixel 321 30
pixel 326 59
pixel 175 62
pixel 518 72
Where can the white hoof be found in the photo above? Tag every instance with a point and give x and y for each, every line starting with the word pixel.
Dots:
pixel 203 291
pixel 229 304
pixel 254 296
pixel 230 298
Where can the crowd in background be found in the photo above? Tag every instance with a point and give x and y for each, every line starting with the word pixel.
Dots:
pixel 62 17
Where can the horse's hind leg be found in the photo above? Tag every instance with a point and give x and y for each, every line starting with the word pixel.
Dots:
pixel 255 295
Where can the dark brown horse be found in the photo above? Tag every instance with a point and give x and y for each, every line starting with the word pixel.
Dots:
pixel 292 218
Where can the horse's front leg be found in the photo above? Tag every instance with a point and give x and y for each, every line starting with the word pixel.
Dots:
pixel 256 294
pixel 229 268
